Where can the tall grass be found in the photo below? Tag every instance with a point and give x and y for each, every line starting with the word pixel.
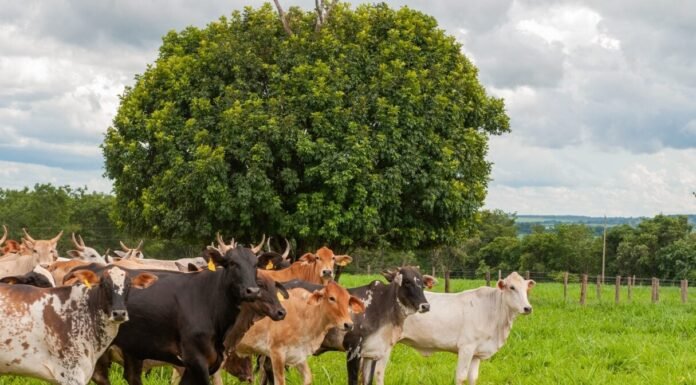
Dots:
pixel 634 342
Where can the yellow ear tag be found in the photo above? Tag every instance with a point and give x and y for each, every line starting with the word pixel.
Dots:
pixel 269 266
pixel 280 297
pixel 342 263
pixel 86 282
pixel 211 265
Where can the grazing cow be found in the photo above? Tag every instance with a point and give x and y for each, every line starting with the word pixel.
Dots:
pixel 38 252
pixel 315 268
pixel 184 318
pixel 85 253
pixel 38 277
pixel 309 317
pixel 57 334
pixel 473 324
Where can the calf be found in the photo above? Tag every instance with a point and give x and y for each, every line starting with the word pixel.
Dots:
pixel 309 317
pixel 58 334
pixel 183 320
pixel 473 323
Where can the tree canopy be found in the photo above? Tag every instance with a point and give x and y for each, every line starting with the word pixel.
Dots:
pixel 372 128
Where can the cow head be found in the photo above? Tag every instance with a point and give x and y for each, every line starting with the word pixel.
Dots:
pixel 270 296
pixel 324 260
pixel 410 285
pixel 239 264
pixel 44 250
pixel 130 253
pixel 85 253
pixel 337 304
pixel 515 289
pixel 114 286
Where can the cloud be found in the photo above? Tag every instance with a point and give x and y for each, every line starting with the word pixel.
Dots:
pixel 19 175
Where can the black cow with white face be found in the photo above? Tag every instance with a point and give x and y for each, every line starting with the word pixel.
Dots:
pixel 376 330
pixel 184 319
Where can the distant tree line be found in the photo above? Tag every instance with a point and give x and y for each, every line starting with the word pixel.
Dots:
pixel 663 246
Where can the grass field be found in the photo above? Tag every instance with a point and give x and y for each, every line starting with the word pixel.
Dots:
pixel 560 343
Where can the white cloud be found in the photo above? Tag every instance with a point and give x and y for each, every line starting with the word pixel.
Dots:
pixel 19 175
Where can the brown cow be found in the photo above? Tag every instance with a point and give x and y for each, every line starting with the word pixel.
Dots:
pixel 309 317
pixel 315 268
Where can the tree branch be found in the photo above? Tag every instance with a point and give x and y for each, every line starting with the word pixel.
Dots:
pixel 283 18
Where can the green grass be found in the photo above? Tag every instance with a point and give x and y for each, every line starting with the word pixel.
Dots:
pixel 560 343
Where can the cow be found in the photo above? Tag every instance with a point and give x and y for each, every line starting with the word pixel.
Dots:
pixel 270 260
pixel 315 268
pixel 183 319
pixel 378 329
pixel 473 324
pixel 10 246
pixel 38 252
pixel 85 253
pixel 38 277
pixel 133 258
pixel 57 334
pixel 309 317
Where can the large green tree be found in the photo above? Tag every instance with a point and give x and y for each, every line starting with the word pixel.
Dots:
pixel 373 127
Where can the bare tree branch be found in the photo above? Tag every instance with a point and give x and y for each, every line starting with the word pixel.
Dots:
pixel 283 18
pixel 323 8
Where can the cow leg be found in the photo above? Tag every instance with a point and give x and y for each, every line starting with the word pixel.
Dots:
pixel 101 370
pixel 217 378
pixel 266 368
pixel 474 370
pixel 368 371
pixel 353 366
pixel 305 372
pixel 132 370
pixel 380 368
pixel 463 362
pixel 278 362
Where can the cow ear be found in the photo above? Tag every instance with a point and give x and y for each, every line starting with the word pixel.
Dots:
pixel 282 290
pixel 74 254
pixel 390 274
pixel 315 297
pixel 308 258
pixel 11 280
pixel 501 284
pixel 121 254
pixel 343 260
pixel 265 261
pixel 192 268
pixel 86 277
pixel 143 280
pixel 213 254
pixel 356 305
pixel 429 281
pixel 530 284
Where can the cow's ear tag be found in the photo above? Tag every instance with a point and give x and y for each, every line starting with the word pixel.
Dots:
pixel 280 297
pixel 269 266
pixel 211 265
pixel 342 263
pixel 86 282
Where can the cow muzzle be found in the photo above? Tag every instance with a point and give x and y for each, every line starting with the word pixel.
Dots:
pixel 119 315
pixel 527 310
pixel 327 273
pixel 424 308
pixel 251 293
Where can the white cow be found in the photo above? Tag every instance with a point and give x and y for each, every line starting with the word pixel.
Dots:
pixel 37 252
pixel 474 323
pixel 85 253
pixel 57 334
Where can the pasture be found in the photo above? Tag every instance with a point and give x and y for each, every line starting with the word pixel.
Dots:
pixel 560 343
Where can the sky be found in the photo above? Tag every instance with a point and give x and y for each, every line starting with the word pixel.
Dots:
pixel 601 94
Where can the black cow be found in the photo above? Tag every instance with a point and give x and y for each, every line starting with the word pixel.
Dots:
pixel 184 318
pixel 377 329
pixel 31 278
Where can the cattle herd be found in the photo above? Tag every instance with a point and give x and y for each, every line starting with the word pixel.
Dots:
pixel 67 320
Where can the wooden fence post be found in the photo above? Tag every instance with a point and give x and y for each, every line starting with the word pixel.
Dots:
pixel 369 269
pixel 630 286
pixel 599 287
pixel 526 275
pixel 633 280
pixel 618 289
pixel 657 290
pixel 684 288
pixel 654 298
pixel 583 290
pixel 488 278
pixel 565 286
pixel 447 281
pixel 433 274
pixel 500 275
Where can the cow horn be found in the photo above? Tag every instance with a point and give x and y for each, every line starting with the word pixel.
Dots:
pixel 2 240
pixel 220 241
pixel 29 238
pixel 140 245
pixel 268 244
pixel 233 244
pixel 123 246
pixel 77 244
pixel 258 247
pixel 57 237
pixel 286 253
pixel 82 242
